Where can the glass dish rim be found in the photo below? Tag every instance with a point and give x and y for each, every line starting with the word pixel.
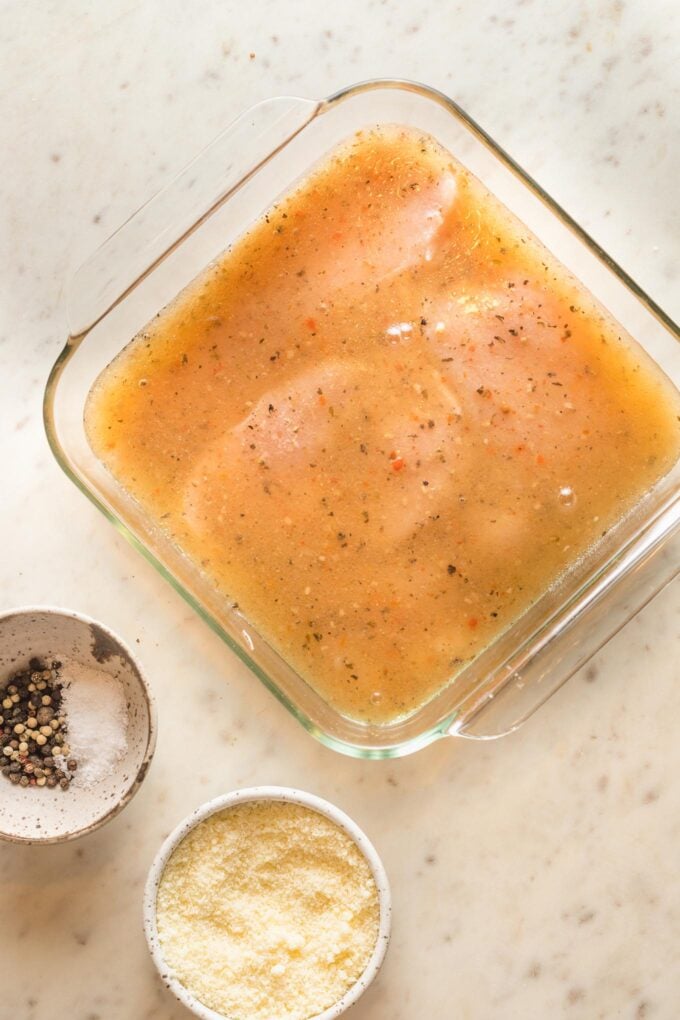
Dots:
pixel 444 726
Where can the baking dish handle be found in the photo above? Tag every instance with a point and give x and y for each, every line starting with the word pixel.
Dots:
pixel 180 207
pixel 619 592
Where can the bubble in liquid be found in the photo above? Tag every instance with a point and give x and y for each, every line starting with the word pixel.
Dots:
pixel 567 496
pixel 400 331
pixel 376 697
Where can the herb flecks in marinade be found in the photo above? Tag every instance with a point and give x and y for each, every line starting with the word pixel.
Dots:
pixel 384 422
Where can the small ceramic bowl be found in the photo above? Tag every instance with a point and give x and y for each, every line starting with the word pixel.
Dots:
pixel 291 796
pixel 31 815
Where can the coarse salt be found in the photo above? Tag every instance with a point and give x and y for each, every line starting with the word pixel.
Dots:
pixel 94 705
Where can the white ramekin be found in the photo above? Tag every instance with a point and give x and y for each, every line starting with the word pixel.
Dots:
pixel 291 796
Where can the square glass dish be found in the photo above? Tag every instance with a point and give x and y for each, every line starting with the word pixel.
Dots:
pixel 167 243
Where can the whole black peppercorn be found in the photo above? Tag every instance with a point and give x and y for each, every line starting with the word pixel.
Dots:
pixel 30 704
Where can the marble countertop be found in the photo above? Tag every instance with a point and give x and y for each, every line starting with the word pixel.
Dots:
pixel 534 877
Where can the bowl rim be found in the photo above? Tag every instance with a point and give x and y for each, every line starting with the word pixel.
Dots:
pixel 285 794
pixel 149 700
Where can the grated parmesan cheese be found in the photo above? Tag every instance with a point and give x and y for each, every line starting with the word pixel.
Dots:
pixel 267 909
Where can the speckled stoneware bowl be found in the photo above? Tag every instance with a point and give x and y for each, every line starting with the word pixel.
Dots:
pixel 42 815
pixel 291 796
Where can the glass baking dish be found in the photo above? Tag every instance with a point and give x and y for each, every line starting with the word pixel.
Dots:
pixel 141 267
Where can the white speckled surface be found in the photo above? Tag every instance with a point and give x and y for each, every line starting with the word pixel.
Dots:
pixel 536 877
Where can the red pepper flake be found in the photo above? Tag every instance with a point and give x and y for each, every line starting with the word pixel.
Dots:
pixel 540 459
pixel 310 323
pixel 398 463
pixel 472 622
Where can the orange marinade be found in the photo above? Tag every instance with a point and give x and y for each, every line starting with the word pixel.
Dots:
pixel 384 422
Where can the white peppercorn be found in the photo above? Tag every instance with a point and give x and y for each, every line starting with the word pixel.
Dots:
pixel 29 721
